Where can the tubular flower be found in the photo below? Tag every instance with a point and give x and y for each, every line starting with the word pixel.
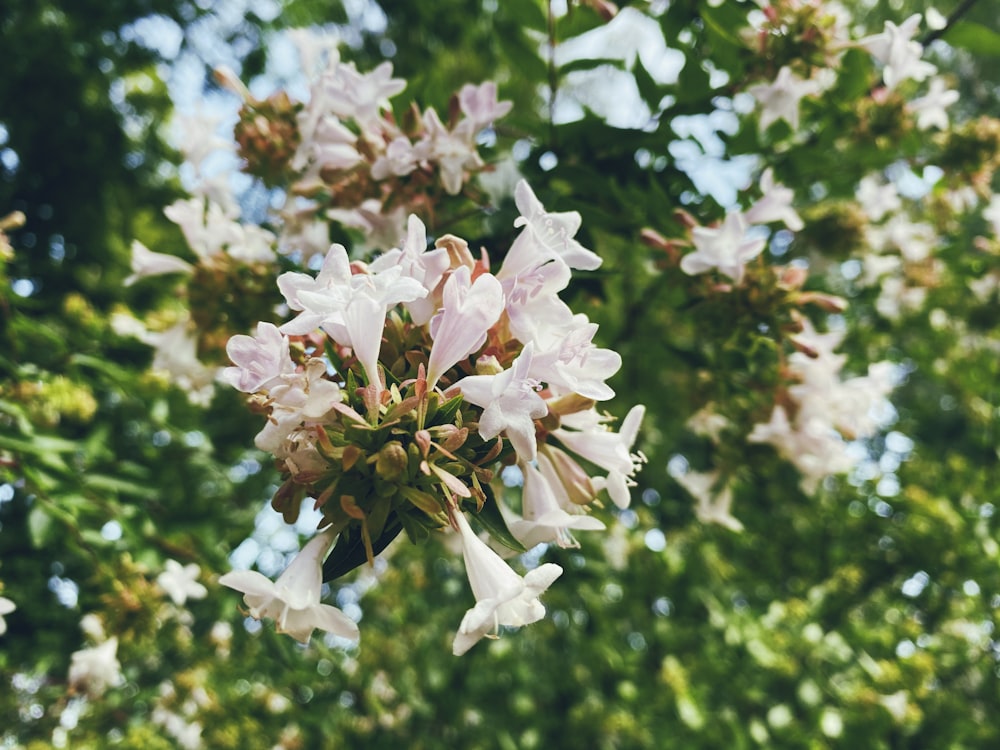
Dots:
pixel 502 596
pixel 293 601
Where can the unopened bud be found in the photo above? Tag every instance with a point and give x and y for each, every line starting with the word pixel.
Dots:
pixel 13 220
pixel 826 302
pixel 488 365
pixel 571 403
pixel 458 251
pixel 227 78
pixel 792 277
pixel 392 461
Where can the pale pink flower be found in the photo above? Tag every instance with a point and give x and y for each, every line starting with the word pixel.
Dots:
pixel 293 601
pixel 468 310
pixel 261 360
pixel 547 235
pixel 502 596
pixel 510 404
pixel 480 105
pixel 543 517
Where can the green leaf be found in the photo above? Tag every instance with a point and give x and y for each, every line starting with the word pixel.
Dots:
pixel 977 39
pixel 39 526
pixel 590 63
pixel 349 552
pixel 491 519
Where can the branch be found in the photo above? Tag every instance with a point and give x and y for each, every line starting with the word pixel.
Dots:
pixel 964 7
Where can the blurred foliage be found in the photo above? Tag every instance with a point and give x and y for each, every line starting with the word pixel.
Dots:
pixel 863 615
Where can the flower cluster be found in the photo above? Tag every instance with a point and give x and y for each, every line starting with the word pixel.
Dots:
pixel 817 415
pixel 345 157
pixel 399 390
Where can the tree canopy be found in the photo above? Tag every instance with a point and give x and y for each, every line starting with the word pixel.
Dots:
pixel 658 339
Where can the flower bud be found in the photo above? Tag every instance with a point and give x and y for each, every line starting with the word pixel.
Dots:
pixel 391 462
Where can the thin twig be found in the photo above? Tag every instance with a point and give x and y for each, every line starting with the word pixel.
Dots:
pixel 956 14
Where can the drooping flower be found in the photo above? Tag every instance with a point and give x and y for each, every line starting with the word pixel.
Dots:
pixel 293 601
pixel 510 404
pixel 589 438
pixel 180 583
pixel 543 517
pixel 94 670
pixel 502 596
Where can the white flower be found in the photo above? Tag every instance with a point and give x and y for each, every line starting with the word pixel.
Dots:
pixel 931 108
pixel 547 235
pixel 992 215
pixel 349 307
pixel 293 601
pixel 426 266
pixel 899 54
pixel 780 99
pixel 6 607
pixel 877 200
pixel 147 263
pixel 179 582
pixel 574 364
pixel 712 507
pixel 726 247
pixel 510 404
pixel 590 439
pixel 544 518
pixel 260 360
pixel 774 205
pixel 468 310
pixel 502 596
pixel 94 670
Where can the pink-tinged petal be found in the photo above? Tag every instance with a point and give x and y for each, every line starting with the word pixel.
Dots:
pixel 468 310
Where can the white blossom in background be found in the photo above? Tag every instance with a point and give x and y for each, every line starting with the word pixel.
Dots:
pixel 774 205
pixel 727 248
pixel 779 100
pixel 992 215
pixel 826 410
pixel 877 198
pixel 931 109
pixel 180 583
pixel 147 263
pixel 713 503
pixel 899 54
pixel 94 670
pixel 6 607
